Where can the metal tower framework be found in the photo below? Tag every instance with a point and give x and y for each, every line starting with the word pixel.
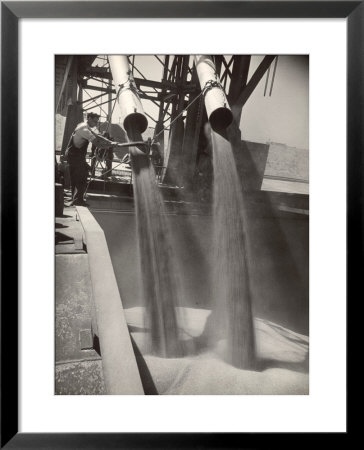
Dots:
pixel 174 96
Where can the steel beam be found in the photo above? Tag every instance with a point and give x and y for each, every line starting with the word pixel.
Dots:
pixel 227 69
pixel 218 63
pixel 252 84
pixel 191 137
pixel 65 77
pixel 239 79
pixel 100 104
pixel 74 78
pixel 159 97
pixel 112 91
pixel 81 102
pixel 96 105
pixel 273 76
pixel 110 108
pixel 174 167
pixel 73 118
pixel 102 72
pixel 160 124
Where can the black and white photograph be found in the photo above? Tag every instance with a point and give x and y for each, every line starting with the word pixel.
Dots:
pixel 181 224
pixel 181 197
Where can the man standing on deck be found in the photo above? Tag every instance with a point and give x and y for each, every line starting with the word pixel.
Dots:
pixel 84 133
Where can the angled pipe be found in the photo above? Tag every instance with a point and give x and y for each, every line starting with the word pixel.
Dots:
pixel 217 106
pixel 131 110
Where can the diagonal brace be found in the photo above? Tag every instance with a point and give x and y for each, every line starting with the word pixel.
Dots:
pixel 252 84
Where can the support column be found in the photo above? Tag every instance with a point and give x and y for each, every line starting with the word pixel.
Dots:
pixel 239 79
pixel 109 106
pixel 251 178
pixel 160 123
pixel 192 133
pixel 74 110
pixel 252 84
pixel 174 174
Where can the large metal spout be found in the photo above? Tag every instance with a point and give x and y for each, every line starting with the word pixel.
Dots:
pixel 133 118
pixel 217 106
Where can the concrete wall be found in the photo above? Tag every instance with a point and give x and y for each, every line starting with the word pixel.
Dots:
pixel 287 162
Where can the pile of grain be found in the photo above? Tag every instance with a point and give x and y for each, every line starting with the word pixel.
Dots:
pixel 282 368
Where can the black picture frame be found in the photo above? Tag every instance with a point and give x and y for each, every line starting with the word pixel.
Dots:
pixel 11 12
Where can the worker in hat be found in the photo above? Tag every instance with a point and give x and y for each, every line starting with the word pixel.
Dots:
pixel 75 154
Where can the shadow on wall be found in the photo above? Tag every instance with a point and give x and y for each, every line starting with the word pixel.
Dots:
pixel 251 159
pixel 278 248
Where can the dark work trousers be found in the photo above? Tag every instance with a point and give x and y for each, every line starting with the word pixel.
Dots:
pixel 78 176
pixel 76 158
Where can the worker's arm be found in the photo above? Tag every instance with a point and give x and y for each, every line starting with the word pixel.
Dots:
pixel 122 144
pixel 102 142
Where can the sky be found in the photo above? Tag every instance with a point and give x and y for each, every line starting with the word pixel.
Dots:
pixel 282 117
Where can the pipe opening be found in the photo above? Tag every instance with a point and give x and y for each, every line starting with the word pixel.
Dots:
pixel 220 119
pixel 136 121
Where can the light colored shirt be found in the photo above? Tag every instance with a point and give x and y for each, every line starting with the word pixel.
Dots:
pixel 84 133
